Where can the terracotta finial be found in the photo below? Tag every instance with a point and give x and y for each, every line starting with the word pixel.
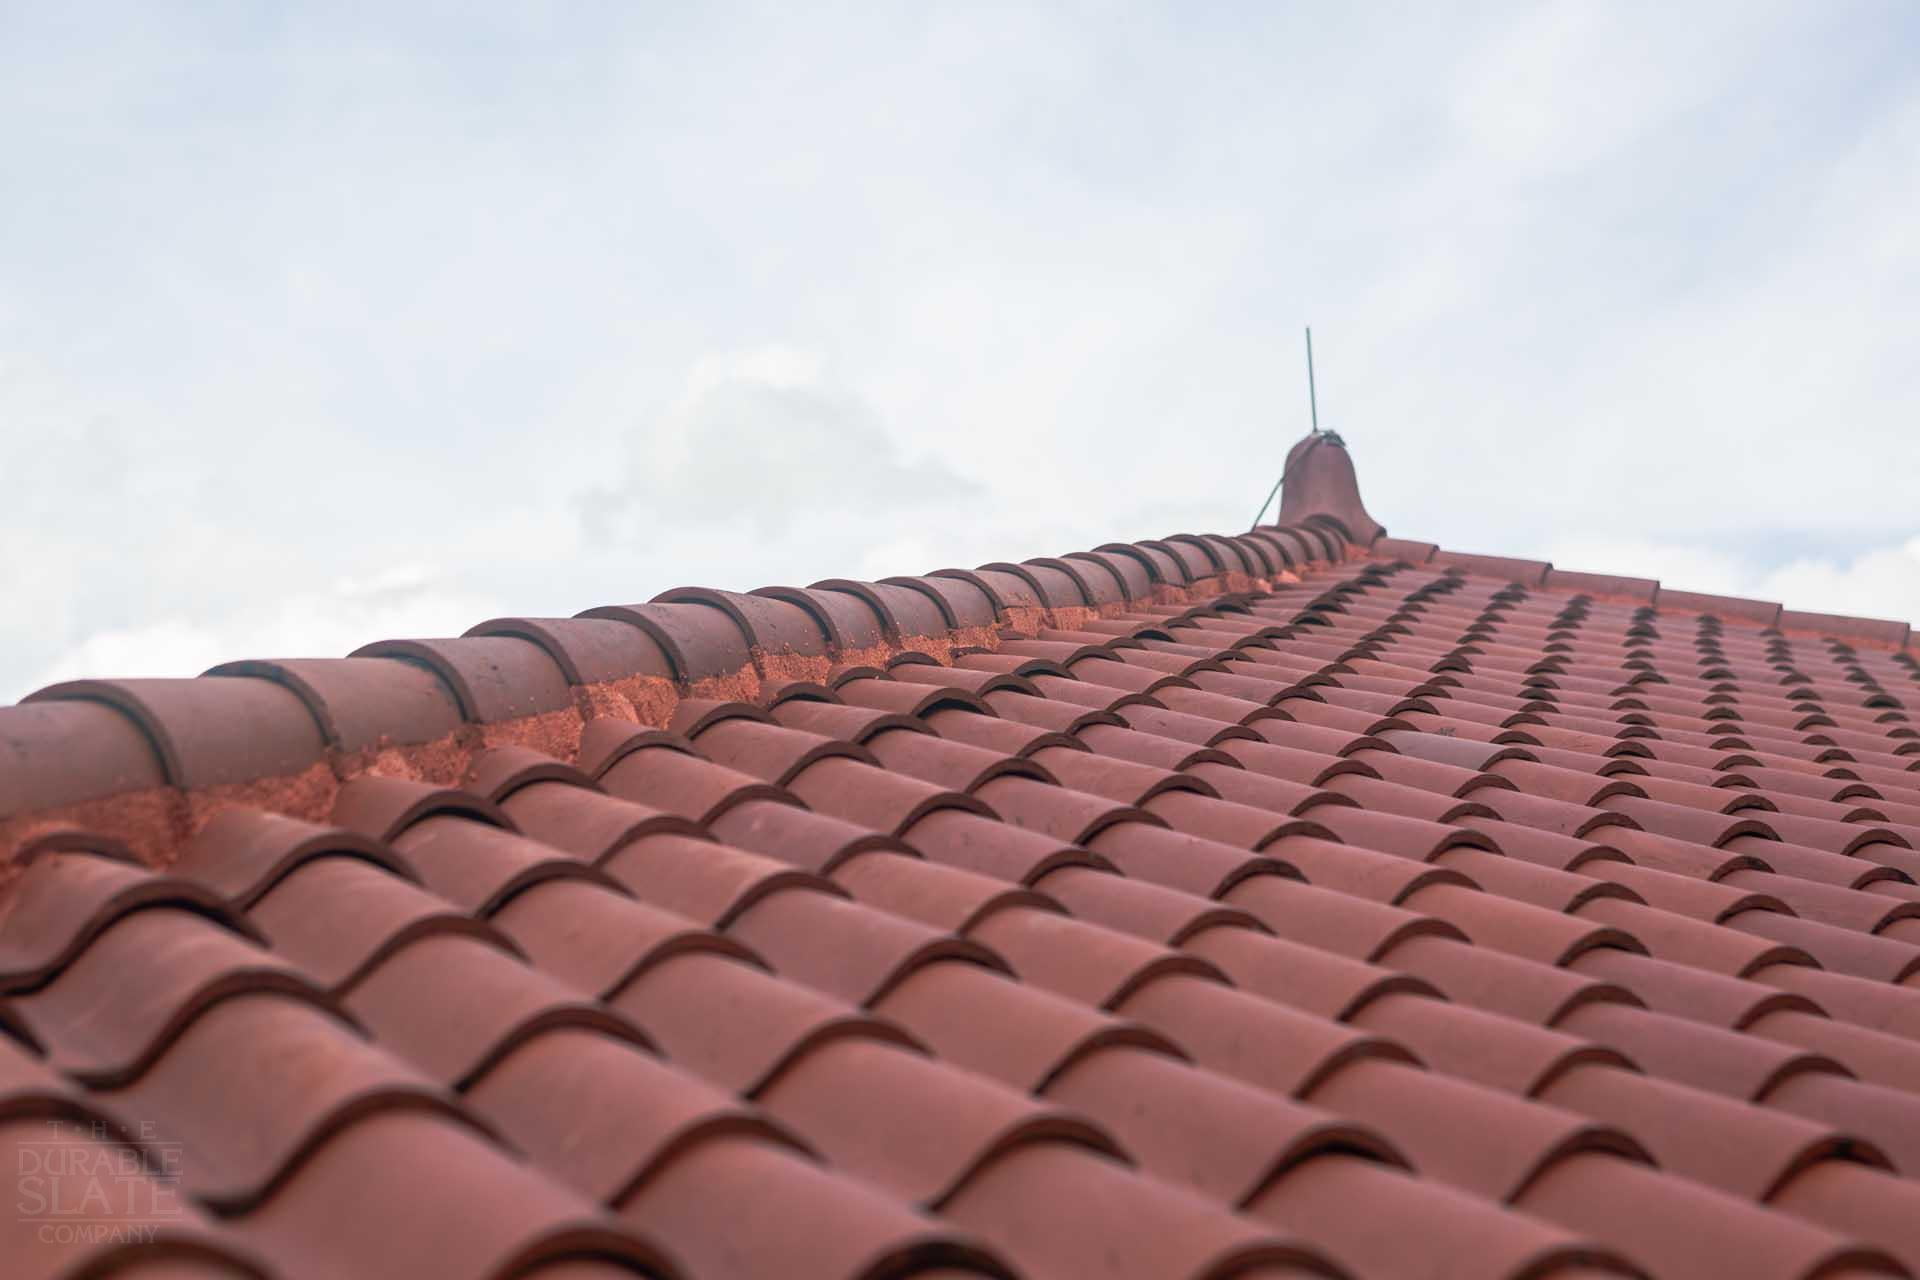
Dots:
pixel 1320 481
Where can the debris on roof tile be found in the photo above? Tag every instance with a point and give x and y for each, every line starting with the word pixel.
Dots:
pixel 1300 902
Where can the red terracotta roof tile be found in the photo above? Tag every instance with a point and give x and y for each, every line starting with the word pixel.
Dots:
pixel 1301 902
pixel 155 1231
pixel 339 917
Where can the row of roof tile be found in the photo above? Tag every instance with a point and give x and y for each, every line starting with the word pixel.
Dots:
pixel 1879 632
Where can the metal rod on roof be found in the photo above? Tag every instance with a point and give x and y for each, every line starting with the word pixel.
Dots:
pixel 1269 502
pixel 1313 398
pixel 1313 405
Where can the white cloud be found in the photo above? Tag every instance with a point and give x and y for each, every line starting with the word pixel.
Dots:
pixel 173 647
pixel 405 601
pixel 1565 83
pixel 766 437
pixel 1685 568
pixel 1881 583
pixel 801 295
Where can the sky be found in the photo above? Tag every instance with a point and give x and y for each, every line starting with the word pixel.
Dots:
pixel 327 324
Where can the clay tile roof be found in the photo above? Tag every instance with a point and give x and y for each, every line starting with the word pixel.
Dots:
pixel 1305 901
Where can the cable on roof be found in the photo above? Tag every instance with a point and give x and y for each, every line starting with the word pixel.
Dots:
pixel 1313 407
pixel 1269 502
pixel 1313 397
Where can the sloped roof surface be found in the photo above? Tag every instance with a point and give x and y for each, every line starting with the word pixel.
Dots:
pixel 1306 902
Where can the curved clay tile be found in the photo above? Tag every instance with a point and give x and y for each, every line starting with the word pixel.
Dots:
pixel 991 732
pixel 972 842
pixel 704 881
pixel 32 1091
pixel 934 894
pixel 701 643
pixel 498 772
pixel 119 1003
pixel 381 808
pixel 902 611
pixel 879 800
pixel 422 1192
pixel 339 918
pixel 605 740
pixel 839 720
pixel 1152 1228
pixel 954 765
pixel 1431 1118
pixel 808 1220
pixel 585 823
pixel 1131 575
pixel 961 603
pixel 1052 587
pixel 233 1057
pixel 916 1126
pixel 1489 1048
pixel 588 650
pixel 646 1112
pixel 65 900
pixel 598 939
pixel 1012 1031
pixel 670 780
pixel 1363 873
pixel 1712 999
pixel 494 678
pixel 773 627
pixel 153 1227
pixel 845 948
pixel 916 691
pixel 768 750
pixel 815 842
pixel 844 621
pixel 1216 1135
pixel 206 731
pixel 363 702
pixel 1081 960
pixel 478 867
pixel 1517 987
pixel 453 1006
pixel 1149 911
pixel 772 1020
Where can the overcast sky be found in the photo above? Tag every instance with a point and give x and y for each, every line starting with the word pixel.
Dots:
pixel 319 327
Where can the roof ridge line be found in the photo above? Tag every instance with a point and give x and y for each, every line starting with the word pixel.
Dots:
pixel 150 761
pixel 1759 617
